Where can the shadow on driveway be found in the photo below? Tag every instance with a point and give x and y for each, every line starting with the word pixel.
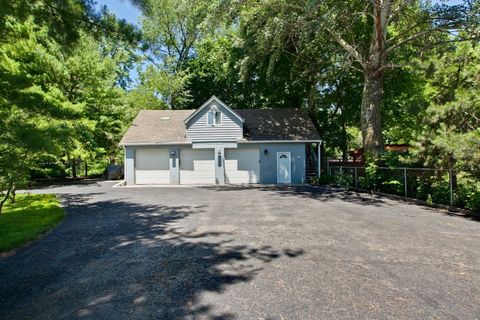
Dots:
pixel 118 259
pixel 320 193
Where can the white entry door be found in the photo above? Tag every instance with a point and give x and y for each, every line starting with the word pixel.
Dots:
pixel 284 167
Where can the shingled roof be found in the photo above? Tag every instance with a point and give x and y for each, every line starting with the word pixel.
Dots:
pixel 167 126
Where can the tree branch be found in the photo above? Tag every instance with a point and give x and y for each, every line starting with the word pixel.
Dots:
pixel 349 48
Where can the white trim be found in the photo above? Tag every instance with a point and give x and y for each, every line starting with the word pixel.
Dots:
pixel 280 141
pixel 207 103
pixel 155 144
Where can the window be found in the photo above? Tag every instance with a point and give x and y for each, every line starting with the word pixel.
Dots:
pixel 210 118
pixel 214 117
pixel 218 118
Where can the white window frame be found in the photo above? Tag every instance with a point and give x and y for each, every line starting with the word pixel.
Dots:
pixel 213 113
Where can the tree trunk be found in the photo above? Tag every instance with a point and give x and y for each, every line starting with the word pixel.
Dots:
pixel 371 120
pixel 6 196
pixel 373 65
pixel 86 168
pixel 13 195
pixel 371 111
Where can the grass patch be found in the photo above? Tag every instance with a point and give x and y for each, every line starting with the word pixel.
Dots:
pixel 27 218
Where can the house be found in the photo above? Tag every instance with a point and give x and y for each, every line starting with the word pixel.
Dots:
pixel 215 144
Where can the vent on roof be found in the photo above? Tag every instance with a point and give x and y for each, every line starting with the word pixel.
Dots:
pixel 164 118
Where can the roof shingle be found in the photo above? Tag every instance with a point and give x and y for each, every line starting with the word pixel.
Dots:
pixel 167 126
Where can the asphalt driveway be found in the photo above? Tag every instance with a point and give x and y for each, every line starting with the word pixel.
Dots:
pixel 244 253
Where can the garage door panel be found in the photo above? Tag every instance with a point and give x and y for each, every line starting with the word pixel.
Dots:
pixel 153 177
pixel 197 166
pixel 242 165
pixel 152 166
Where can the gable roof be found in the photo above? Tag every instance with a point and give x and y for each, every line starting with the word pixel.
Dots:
pixel 168 126
pixel 220 102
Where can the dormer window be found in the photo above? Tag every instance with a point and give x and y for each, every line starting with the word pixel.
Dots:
pixel 214 117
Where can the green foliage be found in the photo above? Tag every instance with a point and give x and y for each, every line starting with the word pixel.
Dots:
pixel 429 200
pixel 392 186
pixel 28 218
pixel 343 177
pixel 371 178
pixel 61 94
pixel 451 134
pixel 434 187
pixel 467 194
pixel 171 28
pixel 35 116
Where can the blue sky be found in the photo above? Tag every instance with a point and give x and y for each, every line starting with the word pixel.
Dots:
pixel 122 9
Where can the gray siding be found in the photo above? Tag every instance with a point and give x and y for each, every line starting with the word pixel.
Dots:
pixel 230 130
pixel 268 162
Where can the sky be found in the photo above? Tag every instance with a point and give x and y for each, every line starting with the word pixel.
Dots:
pixel 122 9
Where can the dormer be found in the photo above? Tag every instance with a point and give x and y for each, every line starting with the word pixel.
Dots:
pixel 214 121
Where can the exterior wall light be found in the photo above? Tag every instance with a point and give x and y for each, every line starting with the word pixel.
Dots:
pixel 265 151
pixel 219 157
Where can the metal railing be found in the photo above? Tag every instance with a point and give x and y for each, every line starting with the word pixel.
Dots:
pixel 312 158
pixel 438 186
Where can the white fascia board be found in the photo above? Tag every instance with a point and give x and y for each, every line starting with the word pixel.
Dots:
pixel 154 144
pixel 281 141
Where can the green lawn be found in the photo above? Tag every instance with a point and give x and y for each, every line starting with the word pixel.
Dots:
pixel 27 218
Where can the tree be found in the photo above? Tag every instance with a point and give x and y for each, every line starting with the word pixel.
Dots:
pixel 451 132
pixel 371 36
pixel 90 73
pixel 171 29
pixel 394 25
pixel 58 84
pixel 34 115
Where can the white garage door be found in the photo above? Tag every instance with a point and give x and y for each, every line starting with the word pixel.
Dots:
pixel 152 166
pixel 197 166
pixel 242 165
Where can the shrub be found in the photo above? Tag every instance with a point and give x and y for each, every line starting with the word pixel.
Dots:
pixel 467 194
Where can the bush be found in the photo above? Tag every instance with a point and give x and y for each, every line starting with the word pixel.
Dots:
pixel 370 181
pixel 441 190
pixel 434 187
pixel 468 193
pixel 344 178
pixel 393 186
